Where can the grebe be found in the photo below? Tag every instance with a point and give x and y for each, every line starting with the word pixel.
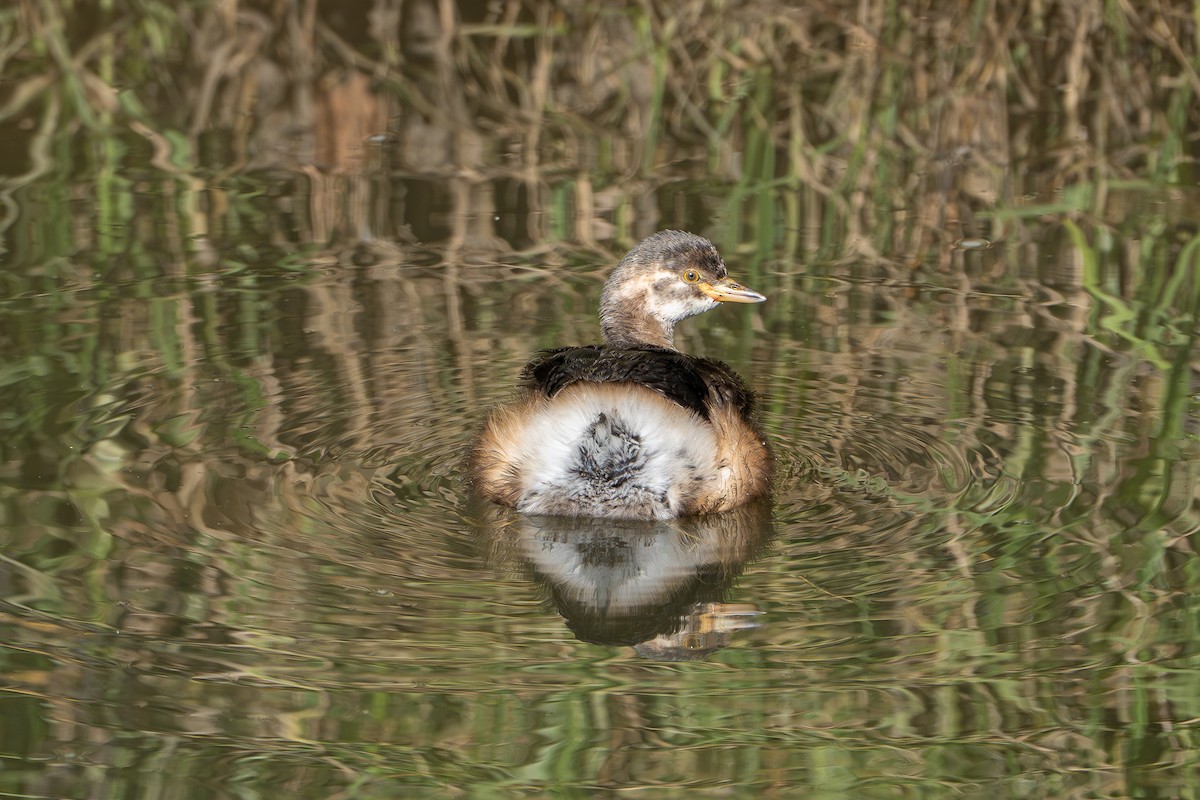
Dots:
pixel 632 428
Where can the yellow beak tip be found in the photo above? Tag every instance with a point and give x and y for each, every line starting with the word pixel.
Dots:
pixel 730 292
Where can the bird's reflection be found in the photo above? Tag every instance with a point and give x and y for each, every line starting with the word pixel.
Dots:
pixel 659 587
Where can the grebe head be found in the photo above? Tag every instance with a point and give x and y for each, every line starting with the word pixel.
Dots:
pixel 667 277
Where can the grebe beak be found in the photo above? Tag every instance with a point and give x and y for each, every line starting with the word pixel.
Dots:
pixel 727 291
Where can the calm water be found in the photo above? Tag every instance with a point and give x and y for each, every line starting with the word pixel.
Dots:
pixel 237 559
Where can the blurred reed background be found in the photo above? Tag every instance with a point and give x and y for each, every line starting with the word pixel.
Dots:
pixel 175 175
pixel 868 130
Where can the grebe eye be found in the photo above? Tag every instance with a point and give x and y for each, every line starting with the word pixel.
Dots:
pixel 691 276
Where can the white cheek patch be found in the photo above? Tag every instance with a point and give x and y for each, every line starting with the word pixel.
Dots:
pixel 680 309
pixel 651 292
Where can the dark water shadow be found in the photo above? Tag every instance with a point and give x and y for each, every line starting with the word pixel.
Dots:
pixel 659 587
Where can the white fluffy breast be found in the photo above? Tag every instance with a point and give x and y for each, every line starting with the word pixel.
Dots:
pixel 608 445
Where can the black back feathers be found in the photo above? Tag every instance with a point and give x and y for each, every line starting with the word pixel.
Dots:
pixel 697 384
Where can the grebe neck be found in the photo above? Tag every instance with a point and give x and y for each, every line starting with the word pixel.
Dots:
pixel 623 328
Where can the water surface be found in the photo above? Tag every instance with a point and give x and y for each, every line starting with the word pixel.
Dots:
pixel 239 377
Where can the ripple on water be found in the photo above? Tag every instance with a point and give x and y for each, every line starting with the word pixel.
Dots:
pixel 312 503
pixel 888 454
